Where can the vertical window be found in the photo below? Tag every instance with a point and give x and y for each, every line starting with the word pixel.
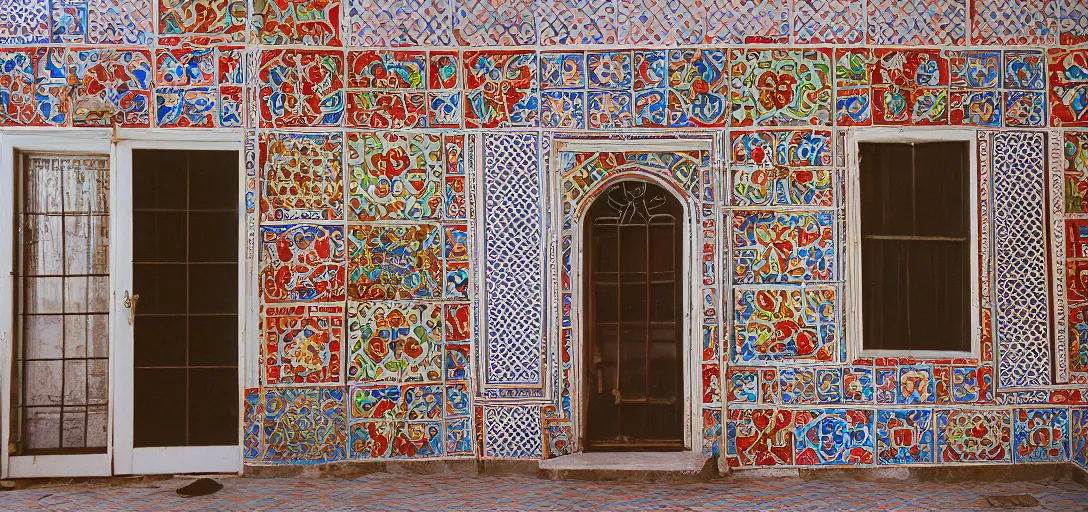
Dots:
pixel 915 246
pixel 62 305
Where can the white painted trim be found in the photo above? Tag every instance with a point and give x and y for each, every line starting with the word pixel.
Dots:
pixel 47 141
pixel 130 460
pixel 692 345
pixel 59 466
pixel 186 459
pixel 856 343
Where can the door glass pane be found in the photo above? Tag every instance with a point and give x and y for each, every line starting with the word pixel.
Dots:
pixel 62 298
pixel 185 270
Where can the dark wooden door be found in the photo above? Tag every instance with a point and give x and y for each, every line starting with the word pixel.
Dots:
pixel 633 287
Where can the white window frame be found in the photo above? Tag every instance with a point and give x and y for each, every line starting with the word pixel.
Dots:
pixel 856 342
pixel 82 142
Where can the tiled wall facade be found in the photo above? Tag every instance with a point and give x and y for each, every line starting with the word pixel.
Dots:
pixel 416 301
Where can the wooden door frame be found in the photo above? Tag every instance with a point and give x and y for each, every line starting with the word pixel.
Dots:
pixel 174 459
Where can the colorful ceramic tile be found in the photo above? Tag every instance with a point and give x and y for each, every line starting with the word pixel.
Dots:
pixel 1014 22
pixel 386 109
pixel 829 385
pixel 1078 433
pixel 966 385
pixel 742 385
pixel 69 20
pixel 792 148
pixel 17 98
pixel 712 387
pixel 383 69
pixel 857 385
pixel 609 70
pixel 780 247
pixel 458 363
pixel 968 69
pixel 609 109
pixel 501 89
pixel 1078 338
pixel 916 385
pixel 909 87
pixel 459 436
pixel 398 23
pixel 456 280
pixel 756 186
pixel 457 322
pixel 226 19
pixel 394 262
pixel 417 439
pixel 834 436
pixel 712 431
pixel 785 324
pixel 455 198
pixel 974 435
pixel 444 110
pixel 797 385
pixel 301 88
pixel 305 424
pixel 697 88
pixel 302 262
pixel 760 437
pixel 1068 70
pixel 917 22
pixel 829 22
pixel 112 87
pixel 563 109
pixel 301 177
pixel 576 22
pixel 651 108
pixel 1075 149
pixel 1041 435
pixel 748 21
pixel 886 386
pixel 252 421
pixel 308 22
pixel 1025 109
pixel 853 107
pixel 394 176
pixel 780 87
pixel 1024 70
pixel 564 70
pixel 177 107
pixel 52 95
pixel 371 439
pixel 394 342
pixel 490 23
pixel 301 344
pixel 975 108
pixel 904 436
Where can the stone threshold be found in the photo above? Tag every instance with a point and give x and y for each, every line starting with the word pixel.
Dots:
pixel 675 467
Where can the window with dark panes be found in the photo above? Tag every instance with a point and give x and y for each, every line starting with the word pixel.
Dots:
pixel 915 243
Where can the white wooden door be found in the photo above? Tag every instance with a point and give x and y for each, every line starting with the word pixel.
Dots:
pixel 177 353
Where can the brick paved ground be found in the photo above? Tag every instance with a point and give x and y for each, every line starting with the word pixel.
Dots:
pixel 449 492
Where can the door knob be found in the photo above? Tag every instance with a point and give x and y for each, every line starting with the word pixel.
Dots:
pixel 130 303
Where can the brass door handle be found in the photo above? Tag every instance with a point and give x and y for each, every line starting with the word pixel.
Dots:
pixel 130 303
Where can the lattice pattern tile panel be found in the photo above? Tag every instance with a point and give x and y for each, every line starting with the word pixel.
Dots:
pixel 829 21
pixel 513 432
pixel 1074 22
pixel 514 255
pixel 1020 253
pixel 748 21
pixel 120 22
pixel 1012 22
pixel 921 22
pixel 576 21
pixel 24 21
pixel 398 22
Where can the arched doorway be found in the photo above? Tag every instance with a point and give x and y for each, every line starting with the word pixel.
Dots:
pixel 633 287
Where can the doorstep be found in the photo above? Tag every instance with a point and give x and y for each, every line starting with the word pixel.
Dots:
pixel 673 467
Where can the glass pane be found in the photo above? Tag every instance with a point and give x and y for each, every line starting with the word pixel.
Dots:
pixel 58 253
pixel 43 245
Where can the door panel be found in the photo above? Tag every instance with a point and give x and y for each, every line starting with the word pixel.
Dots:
pixel 181 382
pixel 633 285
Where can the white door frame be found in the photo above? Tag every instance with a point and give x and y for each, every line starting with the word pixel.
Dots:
pixel 174 459
pixel 85 142
pixel 691 358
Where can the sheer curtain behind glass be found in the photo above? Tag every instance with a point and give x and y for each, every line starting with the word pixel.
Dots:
pixel 62 299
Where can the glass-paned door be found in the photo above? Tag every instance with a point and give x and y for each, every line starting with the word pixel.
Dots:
pixel 184 392
pixel 59 424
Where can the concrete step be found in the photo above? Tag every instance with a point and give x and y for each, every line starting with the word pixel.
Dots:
pixel 672 467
